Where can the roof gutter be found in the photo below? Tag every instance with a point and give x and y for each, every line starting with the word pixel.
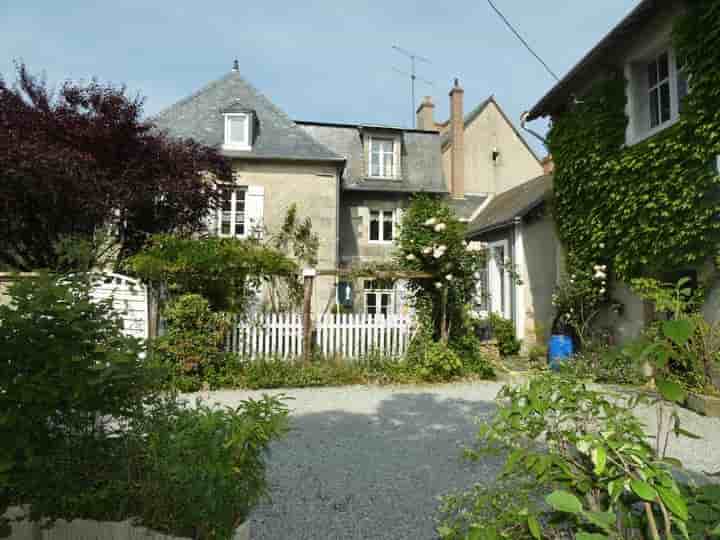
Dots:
pixel 523 120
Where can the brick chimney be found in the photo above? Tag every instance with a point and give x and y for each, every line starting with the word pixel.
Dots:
pixel 457 134
pixel 424 115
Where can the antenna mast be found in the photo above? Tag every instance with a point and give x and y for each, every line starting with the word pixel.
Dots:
pixel 413 74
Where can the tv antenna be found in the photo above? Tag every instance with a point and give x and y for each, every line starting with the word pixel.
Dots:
pixel 413 74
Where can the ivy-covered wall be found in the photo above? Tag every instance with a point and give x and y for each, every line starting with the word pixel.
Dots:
pixel 651 208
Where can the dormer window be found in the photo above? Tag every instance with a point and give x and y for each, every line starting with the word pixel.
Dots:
pixel 383 154
pixel 237 131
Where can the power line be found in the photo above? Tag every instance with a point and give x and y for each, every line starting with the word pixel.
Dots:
pixel 522 40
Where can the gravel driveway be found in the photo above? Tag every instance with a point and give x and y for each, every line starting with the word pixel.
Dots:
pixel 370 462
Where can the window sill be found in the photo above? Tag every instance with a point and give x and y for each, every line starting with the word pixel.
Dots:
pixel 236 147
pixel 386 178
pixel 381 242
pixel 651 133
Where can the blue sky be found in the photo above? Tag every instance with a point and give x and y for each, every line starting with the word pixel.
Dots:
pixel 323 60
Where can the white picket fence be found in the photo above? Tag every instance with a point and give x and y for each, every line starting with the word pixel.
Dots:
pixel 346 335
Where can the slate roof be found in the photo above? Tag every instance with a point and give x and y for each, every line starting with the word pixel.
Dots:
pixel 559 95
pixel 465 208
pixel 421 164
pixel 502 210
pixel 276 136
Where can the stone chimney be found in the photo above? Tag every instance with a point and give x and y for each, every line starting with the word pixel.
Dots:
pixel 457 134
pixel 548 164
pixel 424 114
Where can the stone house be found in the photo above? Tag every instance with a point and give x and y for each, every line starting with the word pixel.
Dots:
pixel 640 50
pixel 353 181
pixel 275 164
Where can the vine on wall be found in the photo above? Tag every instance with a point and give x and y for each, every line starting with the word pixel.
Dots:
pixel 653 207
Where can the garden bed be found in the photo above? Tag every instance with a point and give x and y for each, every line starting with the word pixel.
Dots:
pixel 83 529
pixel 702 404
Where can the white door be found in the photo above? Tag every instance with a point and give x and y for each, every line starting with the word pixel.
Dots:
pixel 499 279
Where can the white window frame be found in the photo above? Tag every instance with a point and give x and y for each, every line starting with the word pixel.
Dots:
pixel 377 294
pixel 233 213
pixel 394 153
pixel 230 145
pixel 638 106
pixel 381 229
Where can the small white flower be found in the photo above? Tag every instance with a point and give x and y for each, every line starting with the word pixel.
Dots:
pixel 477 275
pixel 449 277
pixel 572 277
pixel 602 246
pixel 603 291
pixel 438 285
pixel 572 310
pixel 600 275
pixel 440 227
pixel 427 251
pixel 572 281
pixel 430 222
pixel 410 257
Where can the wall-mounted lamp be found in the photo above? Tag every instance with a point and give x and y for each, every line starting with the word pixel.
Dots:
pixel 495 155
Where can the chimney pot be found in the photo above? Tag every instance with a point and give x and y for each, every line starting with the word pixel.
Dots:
pixel 236 65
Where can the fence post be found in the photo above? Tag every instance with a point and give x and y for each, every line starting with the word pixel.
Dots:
pixel 308 278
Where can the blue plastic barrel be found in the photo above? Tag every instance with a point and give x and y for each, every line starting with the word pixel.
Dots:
pixel 560 349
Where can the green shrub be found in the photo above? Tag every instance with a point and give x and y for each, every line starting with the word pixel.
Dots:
pixel 538 355
pixel 586 454
pixel 66 370
pixel 504 332
pixel 608 365
pixel 469 348
pixel 281 373
pixel 704 506
pixel 193 340
pixel 436 362
pixel 199 471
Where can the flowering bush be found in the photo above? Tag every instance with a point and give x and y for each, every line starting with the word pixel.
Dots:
pixel 432 241
pixel 579 298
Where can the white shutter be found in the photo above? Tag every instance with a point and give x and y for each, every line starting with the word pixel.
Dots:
pixel 255 210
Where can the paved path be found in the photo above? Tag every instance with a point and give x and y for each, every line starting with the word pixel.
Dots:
pixel 370 462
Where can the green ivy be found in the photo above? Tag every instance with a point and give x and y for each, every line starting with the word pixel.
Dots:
pixel 651 208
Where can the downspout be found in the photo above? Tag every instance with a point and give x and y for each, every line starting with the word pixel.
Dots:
pixel 340 170
pixel 519 288
pixel 523 120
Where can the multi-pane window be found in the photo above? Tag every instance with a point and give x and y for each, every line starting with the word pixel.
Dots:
pixel 237 131
pixel 382 226
pixel 659 89
pixel 382 157
pixel 231 211
pixel 379 297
